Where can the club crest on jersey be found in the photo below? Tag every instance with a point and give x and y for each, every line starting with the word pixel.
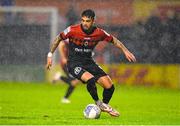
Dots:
pixel 86 39
pixel 77 70
pixel 86 43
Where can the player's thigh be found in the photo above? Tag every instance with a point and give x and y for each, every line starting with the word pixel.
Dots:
pixel 101 77
pixel 105 81
pixel 95 70
pixel 79 72
pixel 86 76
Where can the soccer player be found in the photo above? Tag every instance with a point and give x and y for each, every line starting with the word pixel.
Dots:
pixel 68 79
pixel 83 38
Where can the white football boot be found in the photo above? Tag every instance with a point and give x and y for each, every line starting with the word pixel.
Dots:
pixel 56 77
pixel 65 101
pixel 107 108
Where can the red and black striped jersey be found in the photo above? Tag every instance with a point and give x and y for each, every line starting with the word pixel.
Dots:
pixel 82 44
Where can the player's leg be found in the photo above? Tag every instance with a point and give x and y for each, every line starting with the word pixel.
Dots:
pixel 105 81
pixel 71 88
pixel 58 76
pixel 78 71
pixel 91 85
pixel 72 84
pixel 108 91
pixel 67 79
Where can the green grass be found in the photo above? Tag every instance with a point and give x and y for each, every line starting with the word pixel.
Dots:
pixel 39 103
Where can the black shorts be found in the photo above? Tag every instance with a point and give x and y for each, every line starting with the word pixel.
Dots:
pixel 77 69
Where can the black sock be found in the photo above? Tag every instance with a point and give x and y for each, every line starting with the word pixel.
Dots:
pixel 107 94
pixel 91 87
pixel 66 80
pixel 69 91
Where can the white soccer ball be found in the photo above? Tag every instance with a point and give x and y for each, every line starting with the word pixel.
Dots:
pixel 92 111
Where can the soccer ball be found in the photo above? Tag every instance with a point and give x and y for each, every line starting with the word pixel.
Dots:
pixel 92 111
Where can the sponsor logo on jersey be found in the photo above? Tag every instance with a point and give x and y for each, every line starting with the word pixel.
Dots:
pixel 83 50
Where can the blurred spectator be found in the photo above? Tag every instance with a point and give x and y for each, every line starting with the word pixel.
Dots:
pixel 157 41
pixel 138 37
pixel 8 15
pixel 154 31
pixel 71 16
pixel 173 25
pixel 153 26
pixel 7 2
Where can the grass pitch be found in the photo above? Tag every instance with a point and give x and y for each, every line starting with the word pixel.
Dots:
pixel 39 103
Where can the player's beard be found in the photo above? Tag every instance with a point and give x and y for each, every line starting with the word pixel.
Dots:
pixel 85 27
pixel 86 30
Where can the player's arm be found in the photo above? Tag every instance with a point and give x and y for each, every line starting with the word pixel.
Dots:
pixel 55 44
pixel 61 48
pixel 127 53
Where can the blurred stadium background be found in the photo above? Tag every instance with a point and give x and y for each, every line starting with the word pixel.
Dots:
pixel 149 28
pixel 149 89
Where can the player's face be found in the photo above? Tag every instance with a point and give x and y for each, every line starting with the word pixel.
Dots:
pixel 86 22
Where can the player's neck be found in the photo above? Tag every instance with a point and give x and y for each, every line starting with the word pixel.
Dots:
pixel 89 31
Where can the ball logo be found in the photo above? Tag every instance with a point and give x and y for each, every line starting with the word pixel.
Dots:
pixel 77 70
pixel 88 109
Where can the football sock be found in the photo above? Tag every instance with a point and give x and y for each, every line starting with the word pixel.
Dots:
pixel 107 94
pixel 92 89
pixel 69 91
pixel 66 80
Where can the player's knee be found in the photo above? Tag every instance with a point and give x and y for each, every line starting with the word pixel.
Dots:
pixel 105 81
pixel 91 81
pixel 108 85
pixel 111 89
pixel 74 83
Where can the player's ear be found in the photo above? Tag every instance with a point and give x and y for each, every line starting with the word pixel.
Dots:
pixel 93 21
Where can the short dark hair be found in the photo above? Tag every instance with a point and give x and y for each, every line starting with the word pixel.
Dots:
pixel 88 13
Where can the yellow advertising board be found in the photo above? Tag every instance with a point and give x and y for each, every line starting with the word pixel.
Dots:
pixel 145 74
pixel 144 8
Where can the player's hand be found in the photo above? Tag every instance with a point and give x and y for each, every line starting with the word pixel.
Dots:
pixel 49 61
pixel 130 57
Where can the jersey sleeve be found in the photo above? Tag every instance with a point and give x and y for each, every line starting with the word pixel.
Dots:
pixel 107 37
pixel 66 33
